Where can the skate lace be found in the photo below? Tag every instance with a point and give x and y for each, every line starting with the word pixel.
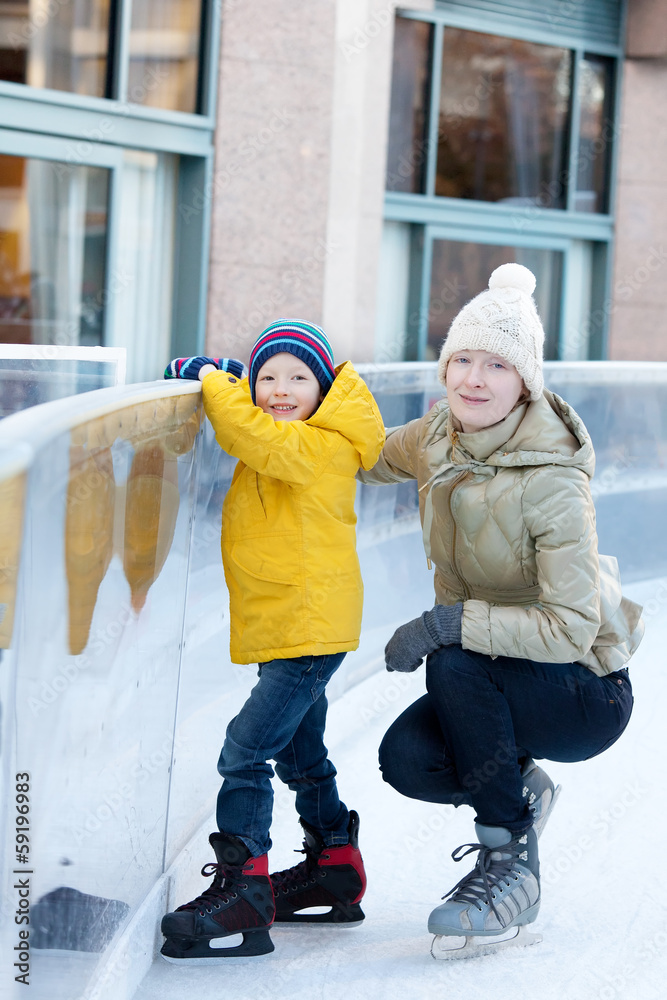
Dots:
pixel 297 873
pixel 491 875
pixel 226 880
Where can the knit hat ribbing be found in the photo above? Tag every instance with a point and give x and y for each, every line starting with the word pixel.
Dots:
pixel 305 341
pixel 502 320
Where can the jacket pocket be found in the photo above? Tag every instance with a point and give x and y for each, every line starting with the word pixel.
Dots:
pixel 270 558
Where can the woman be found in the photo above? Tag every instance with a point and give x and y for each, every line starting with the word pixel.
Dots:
pixel 527 642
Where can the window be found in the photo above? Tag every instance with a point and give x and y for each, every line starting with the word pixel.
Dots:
pixel 500 148
pixel 460 270
pixel 62 46
pixel 164 53
pixel 502 119
pixel 73 47
pixel 106 119
pixel 53 248
pixel 596 132
pixel 406 156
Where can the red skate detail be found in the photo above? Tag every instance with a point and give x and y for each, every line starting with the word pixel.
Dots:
pixel 257 866
pixel 345 855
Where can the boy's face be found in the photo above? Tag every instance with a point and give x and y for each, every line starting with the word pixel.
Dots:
pixel 287 389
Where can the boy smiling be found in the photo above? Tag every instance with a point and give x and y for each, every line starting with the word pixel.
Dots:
pixel 301 429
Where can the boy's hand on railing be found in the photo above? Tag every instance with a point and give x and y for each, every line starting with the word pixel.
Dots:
pixel 190 367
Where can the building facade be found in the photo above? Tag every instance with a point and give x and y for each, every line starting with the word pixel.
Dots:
pixel 175 175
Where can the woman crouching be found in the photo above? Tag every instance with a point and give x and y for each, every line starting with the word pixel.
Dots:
pixel 527 643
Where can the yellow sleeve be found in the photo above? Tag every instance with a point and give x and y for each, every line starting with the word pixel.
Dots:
pixel 396 463
pixel 292 451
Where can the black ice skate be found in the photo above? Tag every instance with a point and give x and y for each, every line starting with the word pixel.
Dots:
pixel 238 901
pixel 330 876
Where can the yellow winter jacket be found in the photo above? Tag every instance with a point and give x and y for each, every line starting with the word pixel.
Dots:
pixel 288 520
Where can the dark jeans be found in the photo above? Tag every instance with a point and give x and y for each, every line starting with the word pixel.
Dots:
pixel 282 720
pixel 464 741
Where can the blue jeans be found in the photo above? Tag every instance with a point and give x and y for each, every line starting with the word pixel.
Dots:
pixel 465 741
pixel 282 720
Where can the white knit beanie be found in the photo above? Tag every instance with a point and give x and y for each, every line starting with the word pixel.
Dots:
pixel 502 320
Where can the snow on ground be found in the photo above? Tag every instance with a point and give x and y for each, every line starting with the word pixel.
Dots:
pixel 604 899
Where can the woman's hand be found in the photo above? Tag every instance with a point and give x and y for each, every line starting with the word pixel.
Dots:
pixel 441 626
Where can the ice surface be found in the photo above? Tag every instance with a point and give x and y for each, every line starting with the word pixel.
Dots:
pixel 604 905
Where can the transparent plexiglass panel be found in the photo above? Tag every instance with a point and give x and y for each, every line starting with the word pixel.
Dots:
pixel 624 408
pixel 90 669
pixel 31 375
pixel 115 680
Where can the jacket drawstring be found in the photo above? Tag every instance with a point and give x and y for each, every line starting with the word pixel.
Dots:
pixel 428 510
pixel 477 467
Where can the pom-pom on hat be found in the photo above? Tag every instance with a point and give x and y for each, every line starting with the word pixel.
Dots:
pixel 502 320
pixel 305 341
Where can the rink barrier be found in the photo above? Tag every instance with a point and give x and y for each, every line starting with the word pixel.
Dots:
pixel 115 680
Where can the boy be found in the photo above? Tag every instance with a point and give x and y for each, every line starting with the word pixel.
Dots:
pixel 301 429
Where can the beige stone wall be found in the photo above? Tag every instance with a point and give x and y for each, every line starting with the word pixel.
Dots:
pixel 298 186
pixel 647 29
pixel 638 321
pixel 271 178
pixel 362 90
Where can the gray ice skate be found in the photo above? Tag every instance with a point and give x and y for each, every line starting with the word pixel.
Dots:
pixel 490 908
pixel 539 790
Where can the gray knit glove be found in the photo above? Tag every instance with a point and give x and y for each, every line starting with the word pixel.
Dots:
pixel 441 626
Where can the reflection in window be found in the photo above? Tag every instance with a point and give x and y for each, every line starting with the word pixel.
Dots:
pixel 462 270
pixel 164 54
pixel 503 119
pixel 64 45
pixel 53 245
pixel 60 45
pixel 595 134
pixel 406 155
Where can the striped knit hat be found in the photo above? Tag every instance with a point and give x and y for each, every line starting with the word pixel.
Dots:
pixel 305 341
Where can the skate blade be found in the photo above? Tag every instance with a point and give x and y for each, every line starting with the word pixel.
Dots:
pixel 474 947
pixel 342 915
pixel 205 952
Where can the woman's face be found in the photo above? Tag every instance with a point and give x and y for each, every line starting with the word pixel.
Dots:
pixel 482 388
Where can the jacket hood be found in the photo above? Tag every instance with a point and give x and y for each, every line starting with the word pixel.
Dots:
pixel 546 431
pixel 359 420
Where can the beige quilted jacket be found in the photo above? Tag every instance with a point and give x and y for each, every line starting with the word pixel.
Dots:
pixel 509 522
